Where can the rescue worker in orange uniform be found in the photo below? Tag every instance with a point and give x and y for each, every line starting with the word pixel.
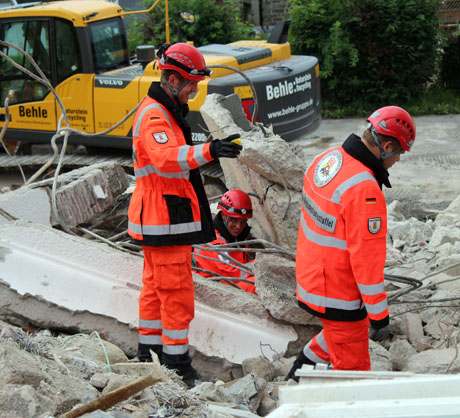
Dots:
pixel 169 210
pixel 231 225
pixel 341 245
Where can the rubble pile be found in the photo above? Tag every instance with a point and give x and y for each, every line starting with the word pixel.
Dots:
pixel 46 372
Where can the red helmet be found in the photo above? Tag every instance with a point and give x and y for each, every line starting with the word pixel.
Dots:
pixel 395 122
pixel 187 60
pixel 236 204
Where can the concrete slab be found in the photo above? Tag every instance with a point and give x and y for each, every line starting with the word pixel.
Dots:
pixel 51 279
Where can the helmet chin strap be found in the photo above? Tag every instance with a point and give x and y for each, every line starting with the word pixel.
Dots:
pixel 383 154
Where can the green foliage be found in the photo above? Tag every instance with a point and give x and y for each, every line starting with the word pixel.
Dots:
pixel 372 51
pixel 216 21
pixel 435 100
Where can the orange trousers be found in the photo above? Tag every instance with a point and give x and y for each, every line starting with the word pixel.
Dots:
pixel 166 303
pixel 343 344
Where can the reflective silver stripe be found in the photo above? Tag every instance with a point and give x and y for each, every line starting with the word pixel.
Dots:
pixel 347 184
pixel 150 339
pixel 176 334
pixel 149 323
pixel 225 257
pixel 164 229
pixel 322 342
pixel 347 305
pixel 175 349
pixel 312 356
pixel 150 169
pixel 198 154
pixel 371 289
pixel 182 157
pixel 137 127
pixel 377 308
pixel 321 218
pixel 322 240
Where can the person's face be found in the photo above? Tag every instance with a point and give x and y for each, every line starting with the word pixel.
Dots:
pixel 235 226
pixel 187 88
pixel 390 146
pixel 188 91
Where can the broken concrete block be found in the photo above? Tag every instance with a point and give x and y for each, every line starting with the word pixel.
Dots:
pixel 116 381
pixel 260 367
pixel 31 205
pixel 400 351
pixel 100 380
pixel 283 365
pixel 410 232
pixel 93 349
pixel 439 328
pixel 44 271
pixel 47 377
pixel 444 234
pixel 92 193
pixel 450 216
pixel 413 328
pixel 275 286
pixel 380 357
pixel 267 404
pixel 441 361
pixel 24 401
pixel 268 167
pixel 245 391
pixel 214 368
pixel 252 323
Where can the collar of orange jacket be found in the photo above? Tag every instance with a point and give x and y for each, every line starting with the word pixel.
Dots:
pixel 355 147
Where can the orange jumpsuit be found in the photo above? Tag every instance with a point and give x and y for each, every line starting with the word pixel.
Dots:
pixel 341 251
pixel 221 263
pixel 168 212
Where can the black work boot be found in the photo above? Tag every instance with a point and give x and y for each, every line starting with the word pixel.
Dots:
pixel 298 363
pixel 182 365
pixel 143 352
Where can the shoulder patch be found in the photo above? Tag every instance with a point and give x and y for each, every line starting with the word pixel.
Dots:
pixel 327 168
pixel 160 137
pixel 374 225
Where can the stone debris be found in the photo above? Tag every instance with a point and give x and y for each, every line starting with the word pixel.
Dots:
pixel 53 360
pixel 275 286
pixel 81 195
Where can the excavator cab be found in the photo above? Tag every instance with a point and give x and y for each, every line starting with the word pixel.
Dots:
pixel 81 46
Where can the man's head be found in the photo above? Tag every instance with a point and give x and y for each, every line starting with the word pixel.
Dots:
pixel 390 133
pixel 236 208
pixel 182 67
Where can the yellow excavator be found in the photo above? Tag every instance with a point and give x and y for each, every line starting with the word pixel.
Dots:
pixel 82 48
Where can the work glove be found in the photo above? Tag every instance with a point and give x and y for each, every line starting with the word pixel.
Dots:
pixel 226 148
pixel 379 335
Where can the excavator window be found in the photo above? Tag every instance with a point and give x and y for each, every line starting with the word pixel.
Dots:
pixel 33 37
pixel 110 49
pixel 67 51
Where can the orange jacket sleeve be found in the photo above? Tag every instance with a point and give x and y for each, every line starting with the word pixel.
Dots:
pixel 166 152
